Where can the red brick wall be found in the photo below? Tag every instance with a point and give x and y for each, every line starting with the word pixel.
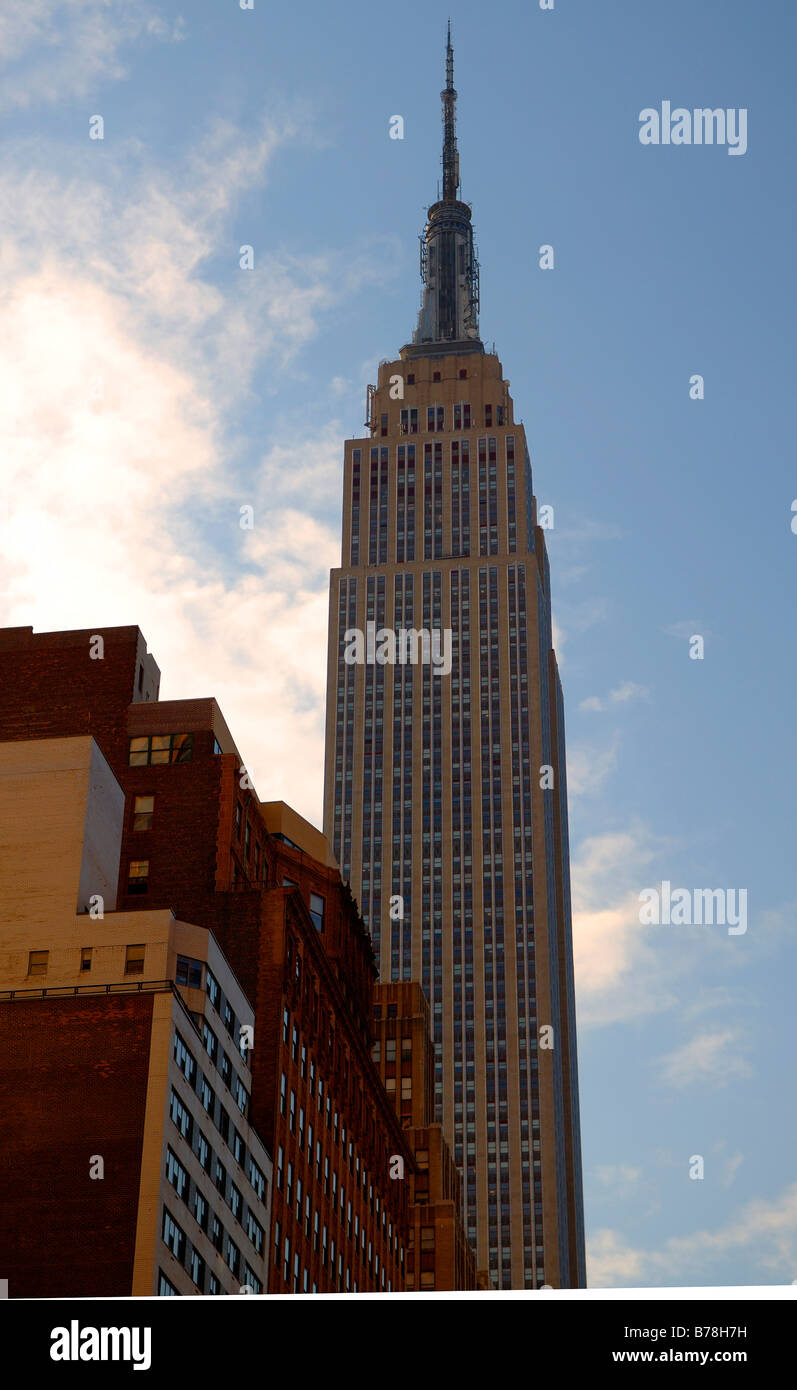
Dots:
pixel 53 689
pixel 73 1076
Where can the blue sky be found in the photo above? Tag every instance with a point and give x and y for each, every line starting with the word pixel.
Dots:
pixel 151 388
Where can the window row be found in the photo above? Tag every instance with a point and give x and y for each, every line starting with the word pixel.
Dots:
pixel 176 1241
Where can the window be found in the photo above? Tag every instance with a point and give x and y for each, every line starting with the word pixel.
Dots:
pixel 161 748
pixel 217 1233
pixel 317 904
pixel 216 747
pixel 37 962
pixel 143 806
pixel 251 1280
pixel 212 988
pixel 180 1116
pixel 196 1268
pixel 206 1094
pixel 134 960
pixel 200 1210
pixel 435 376
pixel 220 1177
pixel 203 1150
pixel 173 1235
pixel 208 1036
pixel 411 379
pixel 165 1288
pixel 189 972
pixel 228 1018
pixel 214 1287
pixel 235 1201
pixel 463 373
pixel 238 1147
pixel 225 1067
pixel 184 1060
pixel 232 1256
pixel 85 958
pixel 224 1124
pixel 176 1174
pixel 138 876
pixel 239 811
pixel 254 1231
pixel 256 1178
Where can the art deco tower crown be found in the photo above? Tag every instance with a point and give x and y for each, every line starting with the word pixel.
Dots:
pixel 449 267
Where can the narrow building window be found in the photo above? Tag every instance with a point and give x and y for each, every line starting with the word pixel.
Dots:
pixel 37 962
pixel 138 876
pixel 134 959
pixel 143 807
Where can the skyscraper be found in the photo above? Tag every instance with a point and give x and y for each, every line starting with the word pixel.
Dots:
pixel 445 787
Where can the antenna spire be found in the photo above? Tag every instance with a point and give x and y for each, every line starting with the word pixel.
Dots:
pixel 450 154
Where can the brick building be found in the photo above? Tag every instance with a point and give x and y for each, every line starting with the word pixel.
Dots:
pixel 128 1143
pixel 196 842
pixel 438 1255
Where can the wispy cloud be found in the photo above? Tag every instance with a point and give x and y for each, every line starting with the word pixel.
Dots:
pixel 589 766
pixel 629 690
pixel 622 1178
pixel 124 366
pixel 53 49
pixel 710 1058
pixel 761 1237
pixel 621 972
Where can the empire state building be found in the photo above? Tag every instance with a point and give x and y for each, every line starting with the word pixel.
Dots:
pixel 445 787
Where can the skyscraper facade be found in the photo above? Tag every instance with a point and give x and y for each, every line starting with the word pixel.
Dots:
pixel 445 787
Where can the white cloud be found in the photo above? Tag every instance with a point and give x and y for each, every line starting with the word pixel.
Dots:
pixel 629 690
pixel 761 1237
pixel 621 971
pixel 54 49
pixel 589 766
pixel 710 1058
pixel 122 371
pixel 732 1166
pixel 622 1178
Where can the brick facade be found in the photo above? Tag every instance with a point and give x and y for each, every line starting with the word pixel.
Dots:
pixel 54 1121
pixel 210 858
